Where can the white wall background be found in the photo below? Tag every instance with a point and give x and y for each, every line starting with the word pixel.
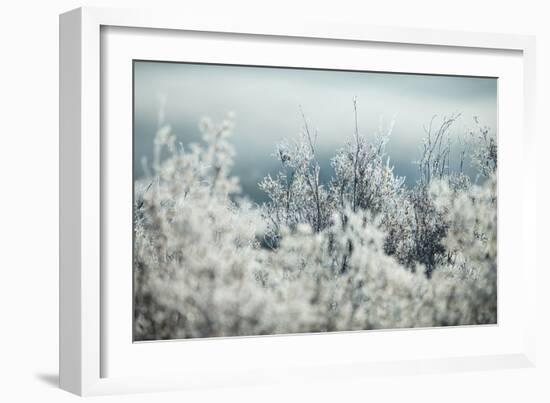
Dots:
pixel 29 201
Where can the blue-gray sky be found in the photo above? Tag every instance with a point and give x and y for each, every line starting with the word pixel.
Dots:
pixel 267 101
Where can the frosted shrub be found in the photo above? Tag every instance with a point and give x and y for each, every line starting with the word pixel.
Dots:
pixel 363 176
pixel 364 180
pixel 484 155
pixel 194 250
pixel 361 252
pixel 420 235
pixel 375 292
pixel 471 242
pixel 296 193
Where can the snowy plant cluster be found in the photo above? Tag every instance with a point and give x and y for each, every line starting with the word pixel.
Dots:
pixel 362 251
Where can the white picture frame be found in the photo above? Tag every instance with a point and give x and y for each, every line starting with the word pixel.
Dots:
pixel 88 338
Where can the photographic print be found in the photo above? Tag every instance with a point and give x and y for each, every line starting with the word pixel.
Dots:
pixel 273 200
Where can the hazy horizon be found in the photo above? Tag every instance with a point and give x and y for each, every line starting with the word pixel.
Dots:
pixel 266 102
